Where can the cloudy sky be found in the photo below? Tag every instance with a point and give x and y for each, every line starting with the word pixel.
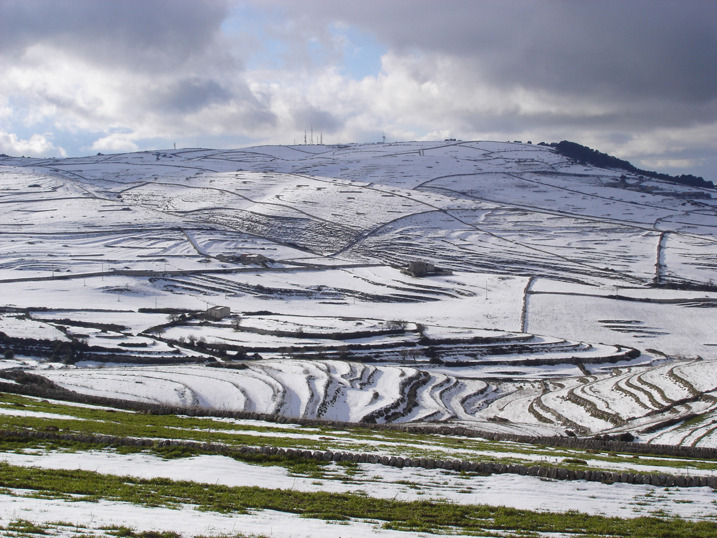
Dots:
pixel 634 78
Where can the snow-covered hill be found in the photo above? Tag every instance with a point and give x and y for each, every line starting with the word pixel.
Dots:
pixel 606 278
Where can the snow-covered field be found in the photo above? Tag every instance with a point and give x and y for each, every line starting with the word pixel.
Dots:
pixel 522 492
pixel 554 266
pixel 68 509
pixel 567 297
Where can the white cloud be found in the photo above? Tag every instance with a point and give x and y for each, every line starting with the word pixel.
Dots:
pixel 57 87
pixel 53 85
pixel 114 143
pixel 36 146
pixel 685 164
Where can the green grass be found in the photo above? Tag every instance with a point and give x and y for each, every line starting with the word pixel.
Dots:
pixel 412 517
pixel 417 516
pixel 22 528
pixel 356 439
pixel 126 532
pixel 295 465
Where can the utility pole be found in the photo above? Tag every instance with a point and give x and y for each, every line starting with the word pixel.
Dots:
pixel 312 135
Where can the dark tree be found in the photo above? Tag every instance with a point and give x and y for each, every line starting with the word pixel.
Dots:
pixel 586 155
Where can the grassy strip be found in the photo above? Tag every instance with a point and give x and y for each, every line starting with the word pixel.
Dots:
pixel 417 516
pixel 310 468
pixel 407 444
pixel 22 528
pixel 294 464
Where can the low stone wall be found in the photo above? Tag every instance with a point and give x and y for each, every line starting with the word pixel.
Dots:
pixel 483 468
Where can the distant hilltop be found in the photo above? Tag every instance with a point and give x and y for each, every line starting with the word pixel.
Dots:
pixel 588 155
pixel 571 150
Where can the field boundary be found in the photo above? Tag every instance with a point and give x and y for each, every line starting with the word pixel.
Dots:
pixel 38 386
pixel 482 467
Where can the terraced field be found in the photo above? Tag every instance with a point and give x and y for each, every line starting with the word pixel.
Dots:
pixel 417 339
pixel 567 297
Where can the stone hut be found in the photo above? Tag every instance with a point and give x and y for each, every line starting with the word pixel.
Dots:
pixel 217 312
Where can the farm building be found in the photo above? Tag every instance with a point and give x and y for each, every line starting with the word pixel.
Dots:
pixel 422 268
pixel 217 312
pixel 257 259
pixel 246 259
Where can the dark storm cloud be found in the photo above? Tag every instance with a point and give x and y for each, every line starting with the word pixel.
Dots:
pixel 179 99
pixel 614 49
pixel 631 118
pixel 138 34
pixel 189 95
pixel 611 50
pixel 306 117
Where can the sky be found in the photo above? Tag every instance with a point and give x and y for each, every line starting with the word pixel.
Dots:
pixel 633 78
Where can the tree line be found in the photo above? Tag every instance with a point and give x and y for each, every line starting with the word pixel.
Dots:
pixel 586 155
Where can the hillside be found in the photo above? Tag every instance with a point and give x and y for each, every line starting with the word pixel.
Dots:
pixel 587 155
pixel 569 297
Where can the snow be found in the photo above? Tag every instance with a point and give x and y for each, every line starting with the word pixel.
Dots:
pixel 185 520
pixel 537 244
pixel 676 329
pixel 34 414
pixel 16 327
pixel 408 484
